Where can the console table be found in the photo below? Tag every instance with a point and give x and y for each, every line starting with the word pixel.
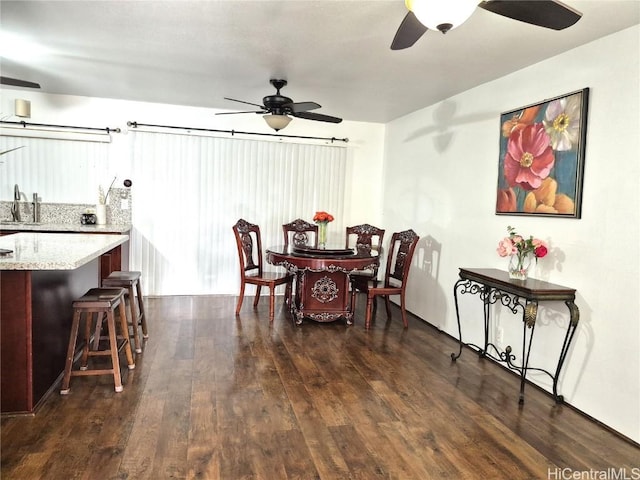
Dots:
pixel 495 286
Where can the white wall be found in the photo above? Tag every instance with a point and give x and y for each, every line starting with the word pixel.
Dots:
pixel 441 177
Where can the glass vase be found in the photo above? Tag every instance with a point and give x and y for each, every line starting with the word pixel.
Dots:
pixel 322 234
pixel 101 214
pixel 519 266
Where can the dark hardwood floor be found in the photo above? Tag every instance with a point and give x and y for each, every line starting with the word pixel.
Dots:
pixel 219 397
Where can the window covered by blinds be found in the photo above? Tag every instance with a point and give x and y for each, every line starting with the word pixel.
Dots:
pixel 60 171
pixel 190 190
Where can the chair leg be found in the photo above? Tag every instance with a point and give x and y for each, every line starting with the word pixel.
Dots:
pixel 240 298
pixel 353 299
pixel 257 297
pixel 143 316
pixel 124 327
pixel 404 311
pixel 375 299
pixel 272 303
pixel 367 318
pixel 113 348
pixel 70 353
pixel 134 318
pixel 98 331
pixel 387 304
pixel 88 321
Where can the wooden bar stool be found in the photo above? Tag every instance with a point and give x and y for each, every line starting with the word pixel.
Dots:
pixel 98 302
pixel 131 282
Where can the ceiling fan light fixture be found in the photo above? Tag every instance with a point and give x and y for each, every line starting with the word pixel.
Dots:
pixel 277 122
pixel 443 15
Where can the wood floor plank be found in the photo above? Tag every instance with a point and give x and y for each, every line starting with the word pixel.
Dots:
pixel 140 453
pixel 220 397
pixel 361 464
pixel 296 457
pixel 420 451
pixel 204 444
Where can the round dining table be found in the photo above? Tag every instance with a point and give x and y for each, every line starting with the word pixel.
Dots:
pixel 322 278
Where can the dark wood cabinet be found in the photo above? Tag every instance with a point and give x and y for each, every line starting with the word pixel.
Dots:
pixel 35 322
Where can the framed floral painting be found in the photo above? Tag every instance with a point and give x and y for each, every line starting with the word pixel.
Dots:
pixel 541 160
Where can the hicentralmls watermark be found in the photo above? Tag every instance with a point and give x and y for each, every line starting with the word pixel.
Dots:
pixel 591 474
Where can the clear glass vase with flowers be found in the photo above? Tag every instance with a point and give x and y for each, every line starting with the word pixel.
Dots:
pixel 322 219
pixel 520 250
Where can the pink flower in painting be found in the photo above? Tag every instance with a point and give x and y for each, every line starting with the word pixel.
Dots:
pixel 529 158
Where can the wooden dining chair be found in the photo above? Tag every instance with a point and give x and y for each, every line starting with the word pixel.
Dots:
pixel 364 237
pixel 249 245
pixel 298 233
pixel 399 256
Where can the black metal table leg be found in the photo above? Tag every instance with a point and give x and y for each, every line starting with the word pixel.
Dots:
pixel 495 287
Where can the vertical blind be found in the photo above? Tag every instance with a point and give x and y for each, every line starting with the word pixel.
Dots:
pixel 60 171
pixel 190 190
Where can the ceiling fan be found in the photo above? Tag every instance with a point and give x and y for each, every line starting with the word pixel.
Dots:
pixel 277 109
pixel 14 82
pixel 426 14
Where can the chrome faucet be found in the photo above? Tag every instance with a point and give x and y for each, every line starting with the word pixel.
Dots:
pixel 36 208
pixel 15 207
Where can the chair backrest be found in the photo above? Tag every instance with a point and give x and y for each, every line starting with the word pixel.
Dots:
pixel 298 233
pixel 249 246
pixel 399 256
pixel 364 236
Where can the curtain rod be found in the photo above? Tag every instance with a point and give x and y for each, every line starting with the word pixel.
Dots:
pixel 233 132
pixel 69 127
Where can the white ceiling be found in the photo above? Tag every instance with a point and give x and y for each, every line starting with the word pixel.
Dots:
pixel 333 52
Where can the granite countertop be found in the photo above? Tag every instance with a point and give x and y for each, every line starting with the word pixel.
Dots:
pixel 55 251
pixel 63 227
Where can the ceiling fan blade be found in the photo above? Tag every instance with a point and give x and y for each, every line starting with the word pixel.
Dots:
pixel 302 106
pixel 18 83
pixel 543 13
pixel 248 111
pixel 248 103
pixel 316 116
pixel 409 31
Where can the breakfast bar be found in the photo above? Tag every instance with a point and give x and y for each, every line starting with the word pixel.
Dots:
pixel 40 276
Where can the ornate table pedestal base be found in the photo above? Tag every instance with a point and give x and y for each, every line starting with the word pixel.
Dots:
pixel 322 296
pixel 322 279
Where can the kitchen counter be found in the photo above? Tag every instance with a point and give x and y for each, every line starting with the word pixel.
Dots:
pixel 62 227
pixel 39 281
pixel 55 251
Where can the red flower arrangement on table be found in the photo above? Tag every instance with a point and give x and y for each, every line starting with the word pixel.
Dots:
pixel 520 248
pixel 322 219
